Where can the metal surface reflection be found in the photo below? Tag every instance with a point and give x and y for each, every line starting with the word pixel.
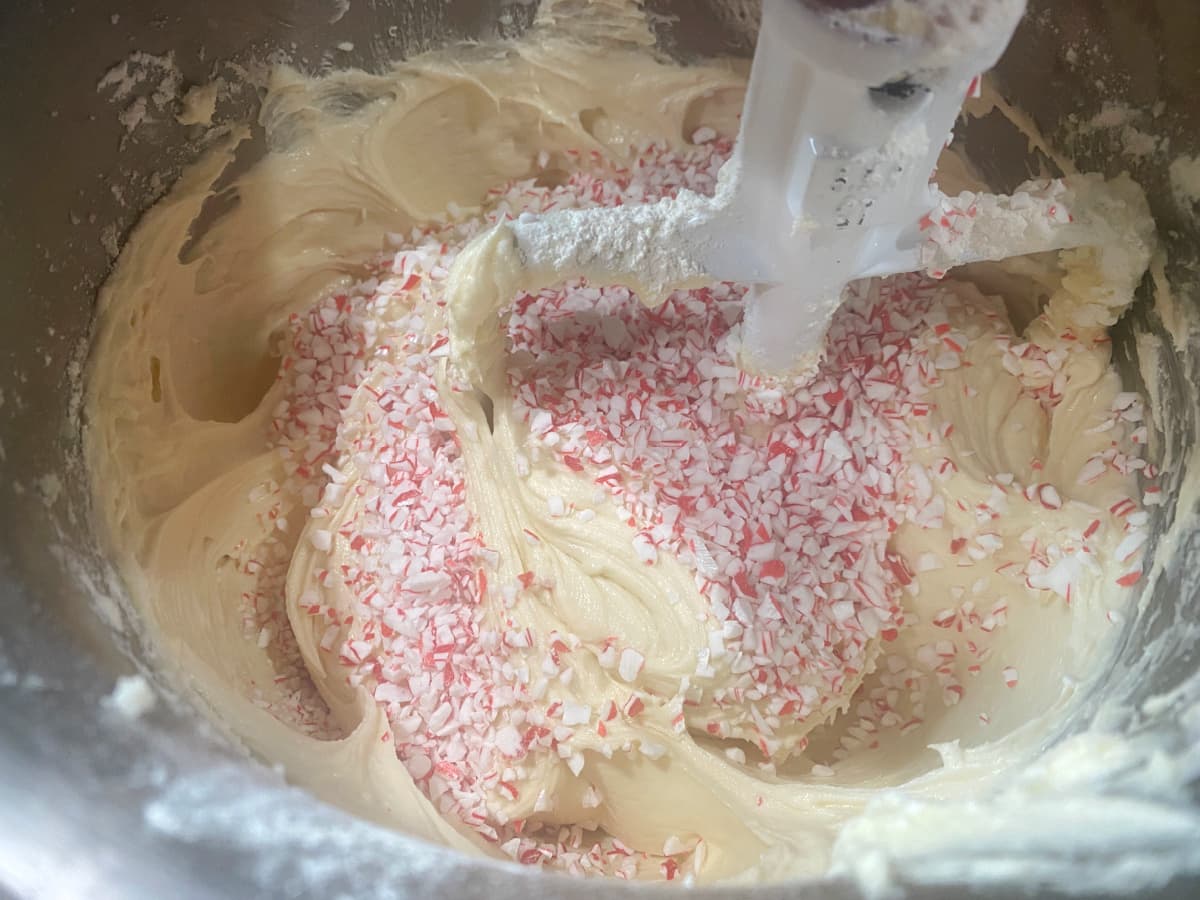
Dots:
pixel 91 805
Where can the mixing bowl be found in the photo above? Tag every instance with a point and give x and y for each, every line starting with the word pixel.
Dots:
pixel 96 804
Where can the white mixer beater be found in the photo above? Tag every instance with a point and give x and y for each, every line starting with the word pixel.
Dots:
pixel 850 103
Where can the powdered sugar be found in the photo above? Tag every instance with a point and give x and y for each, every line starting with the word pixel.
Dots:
pixel 630 243
pixel 146 84
pixel 954 27
pixel 132 696
pixel 1085 210
pixel 1185 181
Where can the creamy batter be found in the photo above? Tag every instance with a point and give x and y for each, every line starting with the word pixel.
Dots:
pixel 519 626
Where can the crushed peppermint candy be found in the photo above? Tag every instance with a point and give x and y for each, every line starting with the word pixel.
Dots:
pixel 780 496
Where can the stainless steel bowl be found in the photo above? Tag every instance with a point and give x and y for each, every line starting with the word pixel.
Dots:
pixel 93 805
